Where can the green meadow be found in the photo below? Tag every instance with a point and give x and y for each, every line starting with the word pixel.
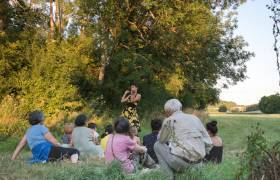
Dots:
pixel 233 128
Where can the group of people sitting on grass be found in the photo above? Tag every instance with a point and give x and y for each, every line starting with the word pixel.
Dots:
pixel 179 142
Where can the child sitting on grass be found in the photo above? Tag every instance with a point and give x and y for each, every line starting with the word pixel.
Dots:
pixel 133 133
pixel 42 143
pixel 67 137
pixel 93 128
pixel 105 136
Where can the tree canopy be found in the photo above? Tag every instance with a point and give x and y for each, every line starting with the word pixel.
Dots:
pixel 84 54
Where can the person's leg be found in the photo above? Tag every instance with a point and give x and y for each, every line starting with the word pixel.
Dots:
pixel 167 160
pixel 147 161
pixel 162 153
pixel 100 151
pixel 58 153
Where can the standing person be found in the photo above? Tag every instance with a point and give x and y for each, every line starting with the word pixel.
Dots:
pixel 149 140
pixel 43 145
pixel 82 138
pixel 216 153
pixel 188 140
pixel 131 98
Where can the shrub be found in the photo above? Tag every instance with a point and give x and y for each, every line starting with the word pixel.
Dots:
pixel 49 85
pixel 260 161
pixel 270 104
pixel 222 108
pixel 12 117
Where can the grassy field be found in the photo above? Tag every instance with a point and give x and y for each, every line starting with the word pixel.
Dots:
pixel 234 130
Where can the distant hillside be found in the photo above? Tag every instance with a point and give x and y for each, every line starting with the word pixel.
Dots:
pixel 233 107
pixel 228 104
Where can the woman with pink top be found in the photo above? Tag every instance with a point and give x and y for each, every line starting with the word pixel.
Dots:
pixel 120 146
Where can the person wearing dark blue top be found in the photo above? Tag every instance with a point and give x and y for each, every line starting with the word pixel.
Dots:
pixel 42 143
pixel 150 139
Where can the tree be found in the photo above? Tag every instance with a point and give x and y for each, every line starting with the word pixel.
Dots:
pixel 168 48
pixel 275 9
pixel 149 41
pixel 270 104
pixel 222 108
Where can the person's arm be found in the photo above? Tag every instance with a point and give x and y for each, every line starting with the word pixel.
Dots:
pixel 125 97
pixel 140 149
pixel 138 140
pixel 51 139
pixel 164 133
pixel 19 147
pixel 137 98
pixel 71 143
pixel 205 137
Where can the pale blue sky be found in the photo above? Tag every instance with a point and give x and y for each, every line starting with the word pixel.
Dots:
pixel 256 28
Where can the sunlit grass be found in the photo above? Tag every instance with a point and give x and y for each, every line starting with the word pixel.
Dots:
pixel 232 128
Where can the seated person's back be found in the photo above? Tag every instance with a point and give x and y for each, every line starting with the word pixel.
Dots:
pixel 150 139
pixel 42 143
pixel 82 138
pixel 93 128
pixel 120 146
pixel 216 153
pixel 105 136
pixel 67 137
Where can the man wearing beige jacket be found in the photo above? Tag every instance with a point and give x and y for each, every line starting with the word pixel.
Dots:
pixel 183 141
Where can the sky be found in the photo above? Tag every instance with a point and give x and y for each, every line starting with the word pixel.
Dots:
pixel 255 25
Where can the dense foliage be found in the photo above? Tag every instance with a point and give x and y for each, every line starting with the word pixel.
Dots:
pixel 270 104
pixel 81 55
pixel 260 160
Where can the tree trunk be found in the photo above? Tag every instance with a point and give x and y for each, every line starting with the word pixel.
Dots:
pixel 57 16
pixel 3 14
pixel 51 20
pixel 104 62
pixel 102 70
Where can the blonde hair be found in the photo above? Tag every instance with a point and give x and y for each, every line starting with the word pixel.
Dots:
pixel 68 128
pixel 133 129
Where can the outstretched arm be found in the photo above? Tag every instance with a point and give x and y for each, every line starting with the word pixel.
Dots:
pixel 19 147
pixel 164 133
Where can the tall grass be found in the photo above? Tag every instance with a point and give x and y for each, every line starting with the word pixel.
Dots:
pixel 234 130
pixel 19 169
